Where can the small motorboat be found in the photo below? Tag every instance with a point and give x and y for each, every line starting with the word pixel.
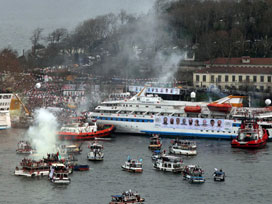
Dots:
pixel 81 167
pixel 133 165
pixel 59 174
pixel 155 142
pixel 32 168
pixel 169 163
pixel 70 149
pixel 219 175
pixel 250 135
pixel 126 198
pixel 194 174
pixel 24 147
pixel 96 152
pixel 156 155
pixel 183 147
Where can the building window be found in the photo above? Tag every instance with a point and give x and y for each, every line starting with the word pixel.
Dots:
pixel 204 77
pixel 261 88
pixel 226 78
pixel 219 78
pixel 197 77
pixel 254 78
pixel 247 78
pixel 268 78
pixel 240 78
pixel 233 78
pixel 262 78
pixel 212 78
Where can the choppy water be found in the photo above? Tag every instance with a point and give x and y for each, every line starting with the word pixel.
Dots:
pixel 248 175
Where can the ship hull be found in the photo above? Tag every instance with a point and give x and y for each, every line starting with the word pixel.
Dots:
pixel 87 136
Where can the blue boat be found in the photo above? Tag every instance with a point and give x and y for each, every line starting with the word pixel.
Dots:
pixel 81 167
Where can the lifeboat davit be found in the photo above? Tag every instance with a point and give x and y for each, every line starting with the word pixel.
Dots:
pixel 220 107
pixel 192 109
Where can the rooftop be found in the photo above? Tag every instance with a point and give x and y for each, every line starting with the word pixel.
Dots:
pixel 234 69
pixel 240 61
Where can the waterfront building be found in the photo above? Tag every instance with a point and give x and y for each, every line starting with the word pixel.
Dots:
pixel 236 73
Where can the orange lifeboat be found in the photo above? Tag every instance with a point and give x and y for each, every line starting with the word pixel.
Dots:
pixel 192 109
pixel 223 107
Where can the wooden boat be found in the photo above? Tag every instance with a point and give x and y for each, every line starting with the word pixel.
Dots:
pixel 169 163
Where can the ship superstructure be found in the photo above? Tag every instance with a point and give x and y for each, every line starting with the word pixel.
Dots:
pixel 5 99
pixel 149 114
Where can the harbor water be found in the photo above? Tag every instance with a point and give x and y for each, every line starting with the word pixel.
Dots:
pixel 248 176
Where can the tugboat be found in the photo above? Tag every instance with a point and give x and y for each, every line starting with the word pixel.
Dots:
pixel 24 147
pixel 32 168
pixel 219 175
pixel 194 174
pixel 133 165
pixel 183 147
pixel 127 198
pixel 169 163
pixel 84 131
pixel 96 152
pixel 250 135
pixel 155 142
pixel 59 174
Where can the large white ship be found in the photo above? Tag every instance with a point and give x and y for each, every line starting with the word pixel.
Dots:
pixel 149 114
pixel 5 99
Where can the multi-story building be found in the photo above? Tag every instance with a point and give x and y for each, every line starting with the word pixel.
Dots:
pixel 236 73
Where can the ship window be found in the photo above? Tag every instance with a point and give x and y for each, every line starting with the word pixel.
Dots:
pixel 146 106
pixel 207 130
pixel 140 120
pixel 212 130
pixel 130 105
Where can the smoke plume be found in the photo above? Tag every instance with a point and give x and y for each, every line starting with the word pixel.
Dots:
pixel 43 133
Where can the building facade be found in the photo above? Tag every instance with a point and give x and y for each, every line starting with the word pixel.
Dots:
pixel 252 75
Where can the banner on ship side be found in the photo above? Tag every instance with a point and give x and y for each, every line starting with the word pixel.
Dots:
pixel 193 123
pixel 155 90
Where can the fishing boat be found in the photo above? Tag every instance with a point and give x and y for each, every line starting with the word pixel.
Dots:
pixel 155 142
pixel 133 165
pixel 24 147
pixel 169 163
pixel 219 175
pixel 96 152
pixel 84 131
pixel 183 147
pixel 194 174
pixel 250 135
pixel 32 168
pixel 126 198
pixel 59 174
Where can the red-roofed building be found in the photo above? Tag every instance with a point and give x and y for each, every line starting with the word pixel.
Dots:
pixel 227 73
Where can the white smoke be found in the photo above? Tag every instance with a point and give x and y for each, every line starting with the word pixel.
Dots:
pixel 43 134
